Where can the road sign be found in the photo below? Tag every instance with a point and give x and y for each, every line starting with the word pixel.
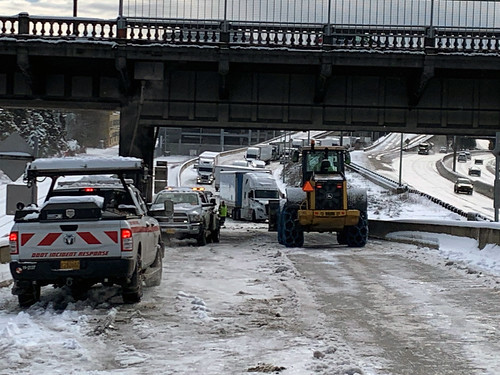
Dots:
pixel 14 154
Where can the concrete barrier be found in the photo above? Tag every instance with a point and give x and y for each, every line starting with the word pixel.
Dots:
pixel 484 232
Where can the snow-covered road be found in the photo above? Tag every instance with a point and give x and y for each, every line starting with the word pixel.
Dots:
pixel 249 305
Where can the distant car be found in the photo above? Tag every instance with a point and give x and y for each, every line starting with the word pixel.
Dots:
pixel 257 164
pixel 240 163
pixel 475 171
pixel 443 150
pixel 478 161
pixel 462 157
pixel 467 154
pixel 463 185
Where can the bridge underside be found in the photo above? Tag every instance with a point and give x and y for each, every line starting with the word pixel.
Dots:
pixel 349 99
pixel 175 86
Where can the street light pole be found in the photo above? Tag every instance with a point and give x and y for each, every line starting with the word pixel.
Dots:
pixel 401 161
pixel 75 8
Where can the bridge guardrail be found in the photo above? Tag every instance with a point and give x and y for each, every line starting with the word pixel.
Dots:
pixel 262 34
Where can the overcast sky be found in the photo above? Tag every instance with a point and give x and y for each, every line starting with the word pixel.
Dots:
pixel 61 8
pixel 468 13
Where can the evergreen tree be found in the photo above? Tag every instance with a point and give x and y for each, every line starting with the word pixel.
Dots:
pixel 46 127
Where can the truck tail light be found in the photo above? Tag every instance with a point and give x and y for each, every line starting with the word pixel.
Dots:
pixel 127 240
pixel 14 243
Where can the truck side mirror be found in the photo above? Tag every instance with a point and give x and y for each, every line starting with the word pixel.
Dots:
pixel 168 206
pixel 295 156
pixel 213 201
pixel 347 158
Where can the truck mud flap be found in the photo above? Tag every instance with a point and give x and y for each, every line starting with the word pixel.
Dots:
pixel 274 207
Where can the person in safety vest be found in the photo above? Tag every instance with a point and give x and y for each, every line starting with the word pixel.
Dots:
pixel 222 213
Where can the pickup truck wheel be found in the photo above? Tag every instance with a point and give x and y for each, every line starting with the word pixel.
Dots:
pixel 29 296
pixel 132 291
pixel 202 237
pixel 79 291
pixel 156 268
pixel 216 235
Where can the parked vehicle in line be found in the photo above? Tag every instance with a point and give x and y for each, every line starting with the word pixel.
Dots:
pixel 260 152
pixel 298 143
pixel 258 164
pixel 464 185
pixel 467 154
pixel 222 168
pixel 247 194
pixel 241 163
pixel 478 161
pixel 194 214
pixel 206 167
pixel 92 230
pixel 286 155
pixel 443 150
pixel 475 171
pixel 462 157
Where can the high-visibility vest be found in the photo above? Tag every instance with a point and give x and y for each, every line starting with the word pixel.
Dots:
pixel 223 211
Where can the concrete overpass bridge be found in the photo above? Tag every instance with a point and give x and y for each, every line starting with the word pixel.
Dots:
pixel 236 74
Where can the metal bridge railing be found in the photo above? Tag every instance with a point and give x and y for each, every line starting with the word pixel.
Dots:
pixel 260 34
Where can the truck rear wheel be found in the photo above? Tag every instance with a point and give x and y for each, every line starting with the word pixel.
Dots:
pixel 155 271
pixel 79 290
pixel 132 291
pixel 29 296
pixel 292 234
pixel 357 235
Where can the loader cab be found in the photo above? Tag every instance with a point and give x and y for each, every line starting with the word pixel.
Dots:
pixel 322 161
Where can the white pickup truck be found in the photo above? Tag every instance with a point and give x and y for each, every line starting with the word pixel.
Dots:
pixel 93 229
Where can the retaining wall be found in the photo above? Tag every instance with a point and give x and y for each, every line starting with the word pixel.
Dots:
pixel 484 232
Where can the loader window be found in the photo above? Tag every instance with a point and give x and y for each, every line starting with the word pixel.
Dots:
pixel 315 161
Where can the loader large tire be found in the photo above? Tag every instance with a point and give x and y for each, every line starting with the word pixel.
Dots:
pixel 357 235
pixel 292 234
pixel 342 237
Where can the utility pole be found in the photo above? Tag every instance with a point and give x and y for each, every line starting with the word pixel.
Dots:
pixel 496 190
pixel 401 160
pixel 75 8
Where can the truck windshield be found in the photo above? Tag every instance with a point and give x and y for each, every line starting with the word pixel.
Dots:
pixel 177 198
pixel 267 194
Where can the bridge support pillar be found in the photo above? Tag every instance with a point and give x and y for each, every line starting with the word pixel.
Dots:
pixel 137 141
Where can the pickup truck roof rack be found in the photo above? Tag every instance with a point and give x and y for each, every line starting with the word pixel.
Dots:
pixel 74 166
